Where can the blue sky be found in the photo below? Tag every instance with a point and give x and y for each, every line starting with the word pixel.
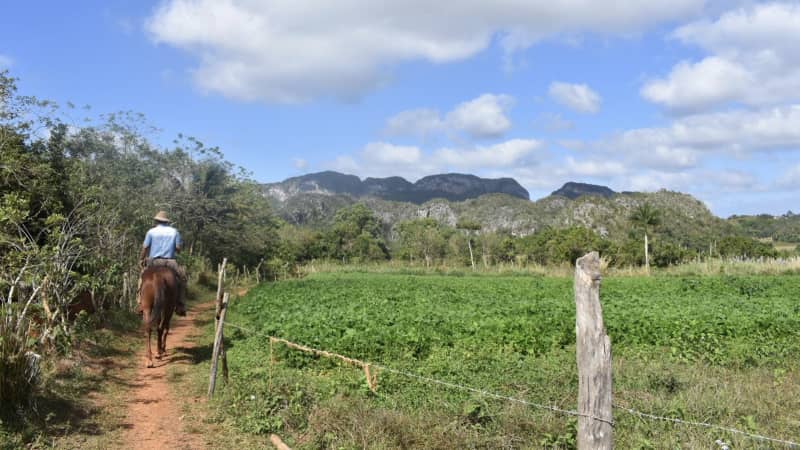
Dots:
pixel 690 95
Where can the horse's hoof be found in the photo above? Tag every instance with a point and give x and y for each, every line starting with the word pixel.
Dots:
pixel 150 364
pixel 158 356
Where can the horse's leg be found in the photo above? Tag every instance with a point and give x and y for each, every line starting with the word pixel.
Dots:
pixel 164 333
pixel 148 331
pixel 160 334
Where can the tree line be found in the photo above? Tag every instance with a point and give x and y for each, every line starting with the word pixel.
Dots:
pixel 357 235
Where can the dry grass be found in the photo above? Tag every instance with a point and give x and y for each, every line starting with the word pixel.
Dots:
pixel 709 266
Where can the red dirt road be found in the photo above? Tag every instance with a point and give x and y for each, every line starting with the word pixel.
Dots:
pixel 154 419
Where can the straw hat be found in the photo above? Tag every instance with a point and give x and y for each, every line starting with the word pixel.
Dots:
pixel 161 217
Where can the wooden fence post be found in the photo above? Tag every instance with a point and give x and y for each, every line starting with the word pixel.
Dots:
pixel 212 380
pixel 220 282
pixel 593 350
pixel 220 287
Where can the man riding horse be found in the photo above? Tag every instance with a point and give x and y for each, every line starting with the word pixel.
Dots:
pixel 161 244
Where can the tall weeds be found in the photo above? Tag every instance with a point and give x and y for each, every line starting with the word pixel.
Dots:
pixel 18 362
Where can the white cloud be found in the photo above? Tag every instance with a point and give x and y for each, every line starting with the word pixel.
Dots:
pixel 482 117
pixel 485 116
pixel 386 159
pixel 5 61
pixel 695 86
pixel 655 180
pixel 299 163
pixel 665 157
pixel 578 97
pixel 415 122
pixel 735 133
pixel 553 122
pixel 345 163
pixel 754 61
pixel 790 178
pixel 594 168
pixel 383 153
pixel 504 154
pixel 278 51
pixel 732 180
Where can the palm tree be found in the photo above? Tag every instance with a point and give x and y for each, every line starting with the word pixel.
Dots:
pixel 644 217
pixel 470 227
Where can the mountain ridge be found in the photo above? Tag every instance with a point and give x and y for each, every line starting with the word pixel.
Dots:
pixel 450 186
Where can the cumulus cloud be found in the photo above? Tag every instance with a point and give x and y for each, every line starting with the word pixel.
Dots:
pixel 279 51
pixel 790 178
pixel 594 168
pixel 415 122
pixel 735 133
pixel 504 154
pixel 553 122
pixel 578 97
pixel 383 153
pixel 385 159
pixel 753 60
pixel 485 116
pixel 299 163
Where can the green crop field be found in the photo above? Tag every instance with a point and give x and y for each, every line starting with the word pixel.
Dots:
pixel 722 350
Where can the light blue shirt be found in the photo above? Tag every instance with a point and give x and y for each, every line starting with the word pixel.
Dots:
pixel 162 240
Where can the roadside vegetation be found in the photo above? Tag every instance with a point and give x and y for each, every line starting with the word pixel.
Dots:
pixel 76 198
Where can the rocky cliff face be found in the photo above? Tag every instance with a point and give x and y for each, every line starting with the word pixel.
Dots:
pixel 497 205
pixel 573 190
pixel 453 187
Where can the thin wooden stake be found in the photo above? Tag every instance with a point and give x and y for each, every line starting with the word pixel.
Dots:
pixel 278 443
pixel 212 381
pixel 220 283
pixel 594 358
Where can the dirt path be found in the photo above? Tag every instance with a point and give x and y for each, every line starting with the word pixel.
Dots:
pixel 154 419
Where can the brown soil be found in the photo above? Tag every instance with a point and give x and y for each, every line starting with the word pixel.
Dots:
pixel 154 419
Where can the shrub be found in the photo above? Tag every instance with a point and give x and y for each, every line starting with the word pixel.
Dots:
pixel 18 364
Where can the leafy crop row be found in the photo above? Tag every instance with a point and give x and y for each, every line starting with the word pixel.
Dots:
pixel 510 335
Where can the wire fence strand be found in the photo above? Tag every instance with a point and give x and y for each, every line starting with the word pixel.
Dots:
pixel 759 437
pixel 485 393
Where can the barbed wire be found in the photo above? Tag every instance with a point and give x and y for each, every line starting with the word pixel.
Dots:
pixel 634 412
pixel 485 393
pixel 482 392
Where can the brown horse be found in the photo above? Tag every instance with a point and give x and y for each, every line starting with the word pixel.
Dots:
pixel 159 293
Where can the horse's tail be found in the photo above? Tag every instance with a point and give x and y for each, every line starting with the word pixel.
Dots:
pixel 158 303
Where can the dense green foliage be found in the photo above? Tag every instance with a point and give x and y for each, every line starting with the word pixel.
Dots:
pixel 511 335
pixel 410 319
pixel 75 203
pixel 785 228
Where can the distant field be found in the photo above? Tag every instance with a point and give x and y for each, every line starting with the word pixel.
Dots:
pixel 780 246
pixel 704 348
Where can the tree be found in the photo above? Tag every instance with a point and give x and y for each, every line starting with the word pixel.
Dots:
pixel 469 227
pixel 422 237
pixel 645 217
pixel 356 232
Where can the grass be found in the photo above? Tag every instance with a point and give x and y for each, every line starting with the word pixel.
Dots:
pixel 718 349
pixel 700 267
pixel 80 403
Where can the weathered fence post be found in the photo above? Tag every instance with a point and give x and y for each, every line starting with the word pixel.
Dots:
pixel 212 380
pixel 220 282
pixel 593 349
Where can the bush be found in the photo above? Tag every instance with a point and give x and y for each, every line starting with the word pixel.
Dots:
pixel 18 364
